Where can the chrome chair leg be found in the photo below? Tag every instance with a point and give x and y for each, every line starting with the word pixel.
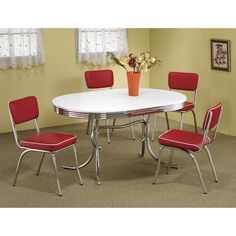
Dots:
pixel 211 163
pixel 113 124
pixel 170 161
pixel 199 172
pixel 18 166
pixel 195 120
pixel 40 163
pixel 77 165
pixel 181 120
pixel 154 127
pixel 167 121
pixel 88 126
pixel 56 174
pixel 132 129
pixel 158 165
pixel 108 133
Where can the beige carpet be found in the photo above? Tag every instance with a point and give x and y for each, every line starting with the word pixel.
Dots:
pixel 126 178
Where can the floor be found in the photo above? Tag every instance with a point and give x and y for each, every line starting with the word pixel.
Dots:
pixel 126 178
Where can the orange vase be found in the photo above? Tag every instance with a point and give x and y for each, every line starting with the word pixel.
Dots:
pixel 133 79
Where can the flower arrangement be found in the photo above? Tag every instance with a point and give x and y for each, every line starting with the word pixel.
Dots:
pixel 139 63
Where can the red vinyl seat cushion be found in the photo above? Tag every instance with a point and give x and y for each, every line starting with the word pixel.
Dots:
pixel 182 139
pixel 187 106
pixel 49 141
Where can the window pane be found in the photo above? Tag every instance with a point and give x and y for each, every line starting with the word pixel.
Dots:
pixel 21 42
pixel 98 40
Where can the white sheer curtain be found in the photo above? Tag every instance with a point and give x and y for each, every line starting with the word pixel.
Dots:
pixel 21 47
pixel 93 44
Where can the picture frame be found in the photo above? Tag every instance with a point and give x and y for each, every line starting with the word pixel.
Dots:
pixel 220 55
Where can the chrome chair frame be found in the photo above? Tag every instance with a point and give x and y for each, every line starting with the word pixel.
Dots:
pixel 26 150
pixel 183 112
pixel 181 117
pixel 191 154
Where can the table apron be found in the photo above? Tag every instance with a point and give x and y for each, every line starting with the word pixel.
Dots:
pixel 113 115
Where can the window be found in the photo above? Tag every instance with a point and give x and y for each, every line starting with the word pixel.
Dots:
pixel 20 47
pixel 93 44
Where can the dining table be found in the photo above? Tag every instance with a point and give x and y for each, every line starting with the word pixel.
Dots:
pixel 114 104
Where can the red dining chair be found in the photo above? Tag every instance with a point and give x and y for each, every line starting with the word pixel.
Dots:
pixel 184 81
pixel 98 79
pixel 26 109
pixel 191 142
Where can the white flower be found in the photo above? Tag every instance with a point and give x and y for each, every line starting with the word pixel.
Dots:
pixel 143 66
pixel 124 59
pixel 138 63
pixel 139 59
pixel 146 55
pixel 152 59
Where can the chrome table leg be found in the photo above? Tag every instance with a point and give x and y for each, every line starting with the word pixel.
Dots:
pixel 97 148
pixel 167 121
pixel 148 143
pixel 98 167
pixel 143 139
pixel 108 133
pixel 154 127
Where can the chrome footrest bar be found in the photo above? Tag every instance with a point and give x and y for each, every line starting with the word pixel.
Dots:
pixel 121 126
pixel 172 166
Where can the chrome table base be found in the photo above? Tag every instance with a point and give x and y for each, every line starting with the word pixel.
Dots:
pixel 145 142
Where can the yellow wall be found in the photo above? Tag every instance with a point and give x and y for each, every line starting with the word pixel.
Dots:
pixel 179 50
pixel 60 75
pixel 189 50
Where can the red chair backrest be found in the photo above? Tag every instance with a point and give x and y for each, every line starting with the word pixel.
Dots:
pixel 99 78
pixel 24 109
pixel 216 111
pixel 183 81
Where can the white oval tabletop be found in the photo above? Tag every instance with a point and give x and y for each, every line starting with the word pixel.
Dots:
pixel 116 102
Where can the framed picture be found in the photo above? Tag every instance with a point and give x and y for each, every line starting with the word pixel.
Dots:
pixel 220 54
